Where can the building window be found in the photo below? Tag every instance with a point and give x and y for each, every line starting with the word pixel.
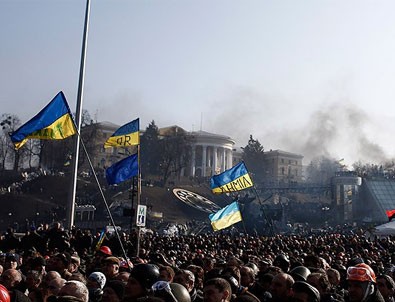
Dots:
pixel 282 160
pixel 282 171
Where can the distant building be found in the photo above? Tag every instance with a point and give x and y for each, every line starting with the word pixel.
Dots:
pixel 282 168
pixel 376 196
pixel 345 188
pixel 211 154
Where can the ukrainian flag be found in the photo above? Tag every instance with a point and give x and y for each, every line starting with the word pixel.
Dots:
pixel 127 135
pixel 52 122
pixel 226 217
pixel 232 180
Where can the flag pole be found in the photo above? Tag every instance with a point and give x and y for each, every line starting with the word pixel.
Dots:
pixel 269 221
pixel 78 114
pixel 138 199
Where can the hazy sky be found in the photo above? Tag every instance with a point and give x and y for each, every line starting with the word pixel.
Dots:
pixel 312 77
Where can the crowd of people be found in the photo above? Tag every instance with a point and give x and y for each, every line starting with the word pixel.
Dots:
pixel 51 264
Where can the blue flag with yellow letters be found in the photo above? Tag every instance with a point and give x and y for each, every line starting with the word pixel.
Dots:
pixel 126 136
pixel 232 180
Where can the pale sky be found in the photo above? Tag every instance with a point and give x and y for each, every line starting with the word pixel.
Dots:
pixel 311 77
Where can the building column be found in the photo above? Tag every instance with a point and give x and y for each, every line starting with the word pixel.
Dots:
pixel 223 162
pixel 229 159
pixel 214 167
pixel 204 160
pixel 193 159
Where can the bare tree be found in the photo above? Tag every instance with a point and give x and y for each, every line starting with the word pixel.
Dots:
pixel 9 123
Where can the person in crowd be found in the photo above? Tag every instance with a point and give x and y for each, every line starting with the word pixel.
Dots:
pixel 304 292
pixel 187 279
pixel 110 267
pixel 141 279
pixel 60 262
pixel 11 261
pixel 95 284
pixel 113 291
pixel 33 283
pixel 75 289
pixel 166 273
pixel 362 285
pixel 281 287
pixel 386 286
pixel 58 238
pixel 11 279
pixel 217 290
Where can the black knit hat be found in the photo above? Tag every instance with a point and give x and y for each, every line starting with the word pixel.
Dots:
pixel 118 287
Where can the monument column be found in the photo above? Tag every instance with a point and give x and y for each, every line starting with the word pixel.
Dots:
pixel 204 160
pixel 193 159
pixel 223 164
pixel 214 167
pixel 229 159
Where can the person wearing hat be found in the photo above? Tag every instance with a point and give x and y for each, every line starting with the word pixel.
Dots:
pixel 110 267
pixel 113 291
pixel 38 264
pixel 386 286
pixel 60 263
pixel 76 290
pixel 361 281
pixel 304 292
pixel 95 285
pixel 11 261
pixel 101 253
pixel 140 281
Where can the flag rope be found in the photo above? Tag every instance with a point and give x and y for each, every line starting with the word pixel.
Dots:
pixel 102 195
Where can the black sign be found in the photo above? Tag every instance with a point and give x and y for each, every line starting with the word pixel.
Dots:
pixel 195 200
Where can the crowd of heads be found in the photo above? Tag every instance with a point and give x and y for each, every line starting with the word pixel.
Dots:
pixel 58 265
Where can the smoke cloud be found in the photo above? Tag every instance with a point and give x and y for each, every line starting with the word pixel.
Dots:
pixel 336 130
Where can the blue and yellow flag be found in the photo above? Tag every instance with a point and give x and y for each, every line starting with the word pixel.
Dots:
pixel 232 180
pixel 123 170
pixel 101 238
pixel 226 217
pixel 52 122
pixel 126 136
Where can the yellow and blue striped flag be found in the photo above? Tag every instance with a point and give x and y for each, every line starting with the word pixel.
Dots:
pixel 123 170
pixel 101 238
pixel 126 136
pixel 52 122
pixel 226 217
pixel 232 180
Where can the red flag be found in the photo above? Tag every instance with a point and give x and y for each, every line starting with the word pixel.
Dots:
pixel 390 214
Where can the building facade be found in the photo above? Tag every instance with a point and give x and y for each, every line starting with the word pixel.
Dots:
pixel 282 168
pixel 211 154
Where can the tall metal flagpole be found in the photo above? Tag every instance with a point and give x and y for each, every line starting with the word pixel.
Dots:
pixel 78 114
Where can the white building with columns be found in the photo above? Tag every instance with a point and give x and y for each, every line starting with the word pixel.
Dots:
pixel 210 154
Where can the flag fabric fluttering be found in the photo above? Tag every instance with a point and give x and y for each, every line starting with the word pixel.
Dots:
pixel 101 238
pixel 390 214
pixel 123 170
pixel 226 217
pixel 232 180
pixel 52 123
pixel 126 136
